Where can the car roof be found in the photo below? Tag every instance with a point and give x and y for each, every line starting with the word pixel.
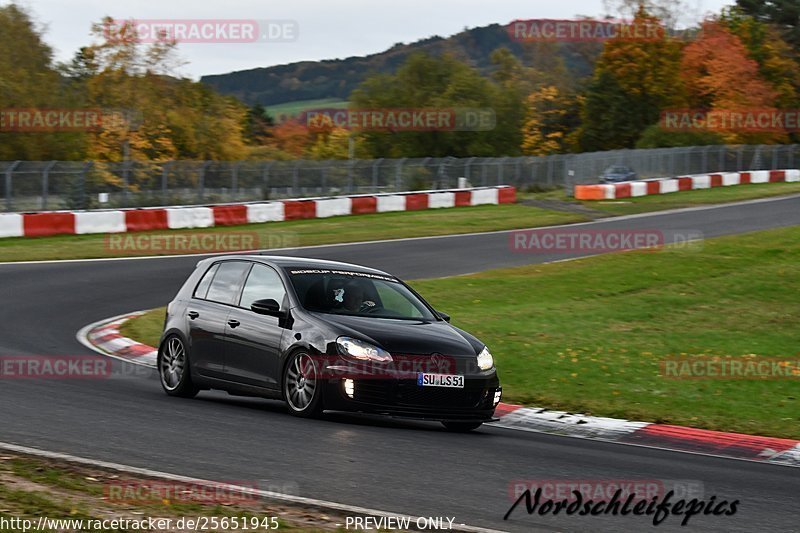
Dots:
pixel 297 262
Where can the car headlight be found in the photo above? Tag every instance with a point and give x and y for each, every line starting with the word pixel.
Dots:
pixel 485 359
pixel 363 351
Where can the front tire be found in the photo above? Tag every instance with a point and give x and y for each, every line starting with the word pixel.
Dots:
pixel 302 388
pixel 461 427
pixel 174 370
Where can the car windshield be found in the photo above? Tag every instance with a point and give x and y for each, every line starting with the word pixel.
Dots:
pixel 617 170
pixel 342 292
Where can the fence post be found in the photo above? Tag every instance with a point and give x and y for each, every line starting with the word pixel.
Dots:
pixel 235 178
pixel 398 177
pixel 201 181
pixel 296 178
pixel 46 183
pixel 265 179
pixel 9 173
pixel 126 165
pixel 467 167
pixel 375 169
pixel 82 183
pixel 165 181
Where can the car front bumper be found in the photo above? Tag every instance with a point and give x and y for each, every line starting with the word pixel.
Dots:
pixel 406 399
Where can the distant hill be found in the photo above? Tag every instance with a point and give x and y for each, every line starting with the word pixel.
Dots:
pixel 336 79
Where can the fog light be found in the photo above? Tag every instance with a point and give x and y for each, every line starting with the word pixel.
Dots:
pixel 349 387
pixel 497 394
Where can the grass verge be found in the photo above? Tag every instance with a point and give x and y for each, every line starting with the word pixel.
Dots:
pixel 31 488
pixel 300 232
pixel 590 335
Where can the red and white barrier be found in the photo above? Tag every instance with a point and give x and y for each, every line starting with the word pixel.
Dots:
pixel 630 189
pixel 11 225
pixel 100 222
pixel 150 219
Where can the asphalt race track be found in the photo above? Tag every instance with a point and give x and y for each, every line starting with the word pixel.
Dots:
pixel 405 467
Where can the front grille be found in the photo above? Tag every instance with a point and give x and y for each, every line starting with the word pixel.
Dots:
pixel 407 393
pixel 373 391
pixel 411 394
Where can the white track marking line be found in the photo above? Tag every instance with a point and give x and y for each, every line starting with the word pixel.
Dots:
pixel 264 494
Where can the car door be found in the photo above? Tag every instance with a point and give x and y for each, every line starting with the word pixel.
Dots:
pixel 253 341
pixel 207 315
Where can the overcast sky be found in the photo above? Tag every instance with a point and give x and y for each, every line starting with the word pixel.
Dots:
pixel 328 29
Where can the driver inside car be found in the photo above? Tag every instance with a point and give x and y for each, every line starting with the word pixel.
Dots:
pixel 354 298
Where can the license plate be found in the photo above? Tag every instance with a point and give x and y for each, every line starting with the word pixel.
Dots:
pixel 440 380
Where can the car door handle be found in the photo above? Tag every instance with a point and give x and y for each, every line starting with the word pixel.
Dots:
pixel 233 323
pixel 193 314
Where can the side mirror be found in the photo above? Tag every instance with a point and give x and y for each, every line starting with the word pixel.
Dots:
pixel 443 316
pixel 267 307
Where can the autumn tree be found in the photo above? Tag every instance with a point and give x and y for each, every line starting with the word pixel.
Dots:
pixel 177 118
pixel 634 80
pixel 719 76
pixel 777 61
pixel 551 117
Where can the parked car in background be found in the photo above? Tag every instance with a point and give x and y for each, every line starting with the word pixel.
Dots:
pixel 618 173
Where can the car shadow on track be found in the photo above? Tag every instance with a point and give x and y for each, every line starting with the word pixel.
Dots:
pixel 351 419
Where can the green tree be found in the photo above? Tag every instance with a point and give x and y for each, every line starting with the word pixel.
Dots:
pixel 427 82
pixel 28 79
pixel 784 14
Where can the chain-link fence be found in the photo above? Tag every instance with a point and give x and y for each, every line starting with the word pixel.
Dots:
pixel 40 185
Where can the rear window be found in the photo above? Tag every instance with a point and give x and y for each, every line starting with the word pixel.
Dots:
pixel 202 288
pixel 227 281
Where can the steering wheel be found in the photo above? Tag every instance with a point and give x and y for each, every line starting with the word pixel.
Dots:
pixel 369 307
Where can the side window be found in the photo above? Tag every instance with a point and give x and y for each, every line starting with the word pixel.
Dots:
pixel 202 288
pixel 225 287
pixel 263 283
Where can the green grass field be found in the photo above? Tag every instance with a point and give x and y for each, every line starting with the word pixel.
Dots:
pixel 589 335
pixel 294 108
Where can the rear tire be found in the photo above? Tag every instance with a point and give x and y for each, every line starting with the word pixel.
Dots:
pixel 174 370
pixel 302 387
pixel 461 427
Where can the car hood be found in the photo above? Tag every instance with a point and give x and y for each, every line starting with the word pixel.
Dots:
pixel 405 336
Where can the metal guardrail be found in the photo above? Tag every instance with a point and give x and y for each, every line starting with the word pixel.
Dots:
pixel 53 185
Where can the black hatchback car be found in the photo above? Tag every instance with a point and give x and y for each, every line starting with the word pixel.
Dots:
pixel 323 335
